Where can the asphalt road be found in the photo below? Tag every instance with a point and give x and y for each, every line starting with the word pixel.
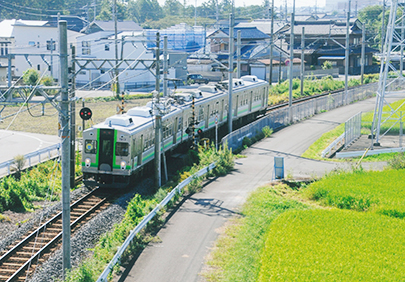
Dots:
pixel 189 234
pixel 14 143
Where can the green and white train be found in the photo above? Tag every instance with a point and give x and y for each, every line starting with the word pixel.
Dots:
pixel 121 146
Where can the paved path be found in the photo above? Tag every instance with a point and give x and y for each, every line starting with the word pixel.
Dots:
pixel 14 143
pixel 190 233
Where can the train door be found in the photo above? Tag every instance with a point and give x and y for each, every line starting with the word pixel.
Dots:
pixel 106 150
pixel 140 150
pixel 221 115
pixel 250 101
pixel 264 97
pixel 175 128
pixel 207 116
pixel 236 106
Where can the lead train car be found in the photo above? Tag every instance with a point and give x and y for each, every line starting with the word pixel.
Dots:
pixel 119 147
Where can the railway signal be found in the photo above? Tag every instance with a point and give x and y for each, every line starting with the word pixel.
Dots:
pixel 85 113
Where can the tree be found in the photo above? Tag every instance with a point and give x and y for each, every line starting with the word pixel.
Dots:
pixel 31 77
pixel 106 13
pixel 371 16
pixel 173 8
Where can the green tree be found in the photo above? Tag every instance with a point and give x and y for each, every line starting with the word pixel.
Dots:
pixel 173 8
pixel 371 16
pixel 31 77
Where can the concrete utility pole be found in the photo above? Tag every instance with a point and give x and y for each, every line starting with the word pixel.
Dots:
pixel 230 73
pixel 238 54
pixel 383 28
pixel 165 67
pixel 363 51
pixel 65 140
pixel 401 61
pixel 73 123
pixel 290 114
pixel 116 80
pixel 271 42
pixel 302 60
pixel 347 55
pixel 9 76
pixel 158 117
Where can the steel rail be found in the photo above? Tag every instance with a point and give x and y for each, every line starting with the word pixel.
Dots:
pixel 53 240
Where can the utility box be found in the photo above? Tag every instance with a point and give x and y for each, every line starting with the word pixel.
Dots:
pixel 278 167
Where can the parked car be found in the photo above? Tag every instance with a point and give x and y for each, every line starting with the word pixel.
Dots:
pixel 196 78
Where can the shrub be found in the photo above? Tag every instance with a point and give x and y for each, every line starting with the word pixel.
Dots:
pixel 327 65
pixel 397 162
pixel 267 131
pixel 246 142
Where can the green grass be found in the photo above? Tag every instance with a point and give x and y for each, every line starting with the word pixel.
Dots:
pixel 238 253
pixel 333 245
pixel 315 150
pixel 48 123
pixel 377 191
pixel 367 118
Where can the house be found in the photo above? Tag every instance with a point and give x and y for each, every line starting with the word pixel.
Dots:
pixel 326 40
pixel 250 37
pixel 31 44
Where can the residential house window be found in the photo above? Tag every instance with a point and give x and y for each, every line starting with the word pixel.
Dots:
pixel 107 47
pixel 38 45
pixel 50 45
pixel 39 67
pixel 86 48
pixel 3 49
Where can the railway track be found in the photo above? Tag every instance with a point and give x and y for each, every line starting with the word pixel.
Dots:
pixel 21 259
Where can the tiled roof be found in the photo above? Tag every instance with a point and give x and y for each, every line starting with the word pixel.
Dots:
pixel 121 26
pixel 251 33
pixel 264 25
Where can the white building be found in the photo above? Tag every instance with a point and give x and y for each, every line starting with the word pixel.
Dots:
pixel 132 45
pixel 32 44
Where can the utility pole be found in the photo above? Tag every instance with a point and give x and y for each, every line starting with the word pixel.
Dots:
pixel 65 140
pixel 52 49
pixel 73 122
pixel 271 42
pixel 9 76
pixel 158 117
pixel 347 55
pixel 238 54
pixel 116 81
pixel 383 27
pixel 363 51
pixel 165 68
pixel 401 61
pixel 290 114
pixel 230 73
pixel 302 60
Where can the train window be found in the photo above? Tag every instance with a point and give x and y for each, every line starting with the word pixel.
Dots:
pixel 201 114
pixel 121 149
pixel 90 146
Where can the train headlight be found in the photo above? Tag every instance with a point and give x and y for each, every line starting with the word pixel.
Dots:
pixel 123 165
pixel 87 162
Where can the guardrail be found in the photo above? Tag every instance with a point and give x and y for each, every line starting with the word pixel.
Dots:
pixel 339 142
pixel 30 157
pixel 146 219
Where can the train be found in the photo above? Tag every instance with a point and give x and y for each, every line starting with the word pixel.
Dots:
pixel 121 146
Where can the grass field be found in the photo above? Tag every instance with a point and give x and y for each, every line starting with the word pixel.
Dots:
pixel 346 227
pixel 48 123
pixel 333 245
pixel 367 118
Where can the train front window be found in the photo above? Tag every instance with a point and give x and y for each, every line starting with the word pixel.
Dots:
pixel 121 149
pixel 90 146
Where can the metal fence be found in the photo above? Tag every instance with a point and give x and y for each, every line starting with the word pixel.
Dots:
pixel 32 158
pixel 146 219
pixel 352 129
pixel 280 118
